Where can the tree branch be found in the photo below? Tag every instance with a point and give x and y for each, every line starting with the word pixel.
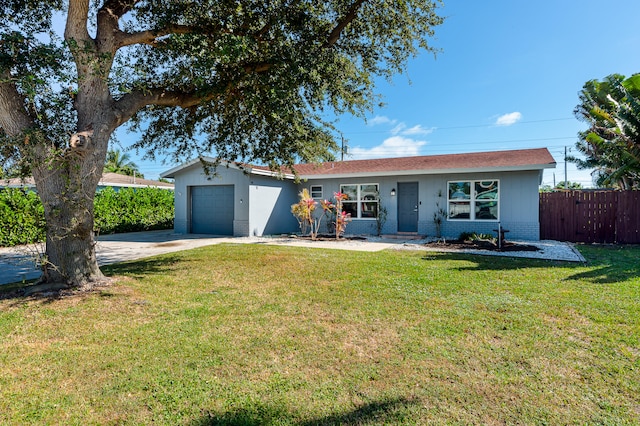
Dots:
pixel 257 67
pixel 349 17
pixel 109 33
pixel 14 119
pixel 150 36
pixel 117 8
pixel 132 102
pixel 76 27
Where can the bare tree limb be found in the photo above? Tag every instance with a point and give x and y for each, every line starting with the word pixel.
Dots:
pixel 76 27
pixel 263 31
pixel 132 102
pixel 349 17
pixel 258 67
pixel 14 119
pixel 150 37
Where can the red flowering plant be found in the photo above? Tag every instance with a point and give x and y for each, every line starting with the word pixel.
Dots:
pixel 310 224
pixel 342 217
pixel 327 210
pixel 303 211
pixel 327 206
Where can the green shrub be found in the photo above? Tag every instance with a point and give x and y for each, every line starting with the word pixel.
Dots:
pixel 466 236
pixel 127 210
pixel 133 209
pixel 21 217
pixel 473 236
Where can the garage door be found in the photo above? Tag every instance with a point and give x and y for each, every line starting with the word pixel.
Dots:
pixel 212 210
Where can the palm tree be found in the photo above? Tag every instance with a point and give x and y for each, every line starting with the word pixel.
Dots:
pixel 118 162
pixel 611 145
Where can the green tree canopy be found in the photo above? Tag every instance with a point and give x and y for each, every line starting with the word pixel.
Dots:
pixel 248 80
pixel 561 186
pixel 568 185
pixel 611 145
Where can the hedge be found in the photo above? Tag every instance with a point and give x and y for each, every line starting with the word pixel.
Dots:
pixel 126 210
pixel 131 210
pixel 21 217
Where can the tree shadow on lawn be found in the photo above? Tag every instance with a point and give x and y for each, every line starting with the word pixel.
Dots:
pixel 259 414
pixel 604 265
pixel 148 266
pixel 610 263
pixel 135 269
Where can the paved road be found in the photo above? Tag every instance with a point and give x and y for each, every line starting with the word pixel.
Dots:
pixel 16 264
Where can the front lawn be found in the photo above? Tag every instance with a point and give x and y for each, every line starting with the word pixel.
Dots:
pixel 255 334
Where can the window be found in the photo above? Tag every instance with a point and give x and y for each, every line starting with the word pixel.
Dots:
pixel 316 192
pixel 363 200
pixel 474 200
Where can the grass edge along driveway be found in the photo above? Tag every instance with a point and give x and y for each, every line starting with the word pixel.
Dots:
pixel 254 334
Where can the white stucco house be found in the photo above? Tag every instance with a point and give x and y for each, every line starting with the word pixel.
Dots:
pixel 477 191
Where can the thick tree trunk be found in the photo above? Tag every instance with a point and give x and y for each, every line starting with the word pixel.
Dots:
pixel 70 255
pixel 67 187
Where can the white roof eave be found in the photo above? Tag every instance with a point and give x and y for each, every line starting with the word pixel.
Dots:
pixel 171 172
pixel 260 172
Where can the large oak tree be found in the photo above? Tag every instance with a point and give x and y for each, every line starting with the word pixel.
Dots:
pixel 247 80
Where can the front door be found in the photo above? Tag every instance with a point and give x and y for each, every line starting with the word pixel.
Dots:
pixel 408 207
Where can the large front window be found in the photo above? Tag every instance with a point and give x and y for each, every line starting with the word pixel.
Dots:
pixel 474 200
pixel 363 200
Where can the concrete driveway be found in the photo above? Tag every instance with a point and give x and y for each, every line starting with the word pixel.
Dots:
pixel 17 264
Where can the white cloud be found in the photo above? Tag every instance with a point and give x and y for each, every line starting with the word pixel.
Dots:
pixel 417 130
pixel 380 119
pixel 401 129
pixel 395 146
pixel 508 119
pixel 398 129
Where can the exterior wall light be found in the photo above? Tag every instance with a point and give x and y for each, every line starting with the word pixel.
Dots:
pixel 393 192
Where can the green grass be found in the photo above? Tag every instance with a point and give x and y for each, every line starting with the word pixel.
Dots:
pixel 254 334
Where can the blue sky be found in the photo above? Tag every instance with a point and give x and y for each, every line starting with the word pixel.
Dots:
pixel 507 77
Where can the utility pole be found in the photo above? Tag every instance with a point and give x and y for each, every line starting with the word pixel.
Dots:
pixel 565 168
pixel 342 149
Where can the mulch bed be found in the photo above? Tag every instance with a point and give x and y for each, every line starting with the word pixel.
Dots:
pixel 481 245
pixel 330 237
pixel 445 244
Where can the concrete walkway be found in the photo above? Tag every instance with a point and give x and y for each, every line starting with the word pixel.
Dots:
pixel 17 264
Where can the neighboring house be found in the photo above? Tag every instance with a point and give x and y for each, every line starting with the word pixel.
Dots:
pixel 117 181
pixel 113 180
pixel 475 191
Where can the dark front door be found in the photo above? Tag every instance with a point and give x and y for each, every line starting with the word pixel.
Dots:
pixel 408 207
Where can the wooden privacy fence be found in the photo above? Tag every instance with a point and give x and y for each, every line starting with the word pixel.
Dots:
pixel 585 216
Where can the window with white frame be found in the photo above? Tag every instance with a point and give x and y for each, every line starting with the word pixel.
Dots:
pixel 473 200
pixel 363 200
pixel 316 192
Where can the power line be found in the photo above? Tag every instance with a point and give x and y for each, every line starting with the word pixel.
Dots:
pixel 507 141
pixel 469 126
